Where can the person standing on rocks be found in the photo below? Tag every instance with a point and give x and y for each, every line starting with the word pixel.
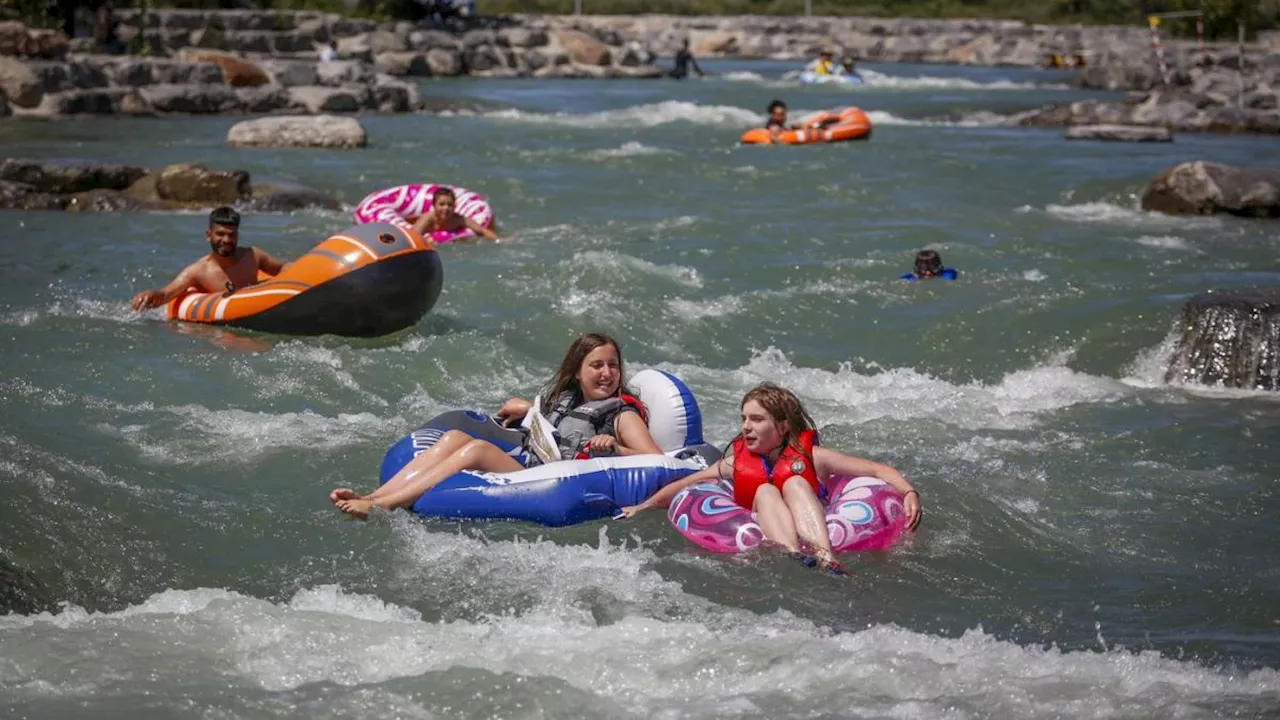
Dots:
pixel 226 268
pixel 684 58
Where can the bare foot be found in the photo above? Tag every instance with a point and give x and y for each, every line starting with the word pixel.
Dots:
pixel 342 494
pixel 355 507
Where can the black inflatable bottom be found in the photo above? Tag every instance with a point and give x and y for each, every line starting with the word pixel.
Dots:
pixel 375 300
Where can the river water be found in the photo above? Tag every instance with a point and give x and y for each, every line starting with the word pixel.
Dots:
pixel 1095 543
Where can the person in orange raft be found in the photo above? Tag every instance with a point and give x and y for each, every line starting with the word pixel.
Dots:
pixel 778 469
pixel 227 267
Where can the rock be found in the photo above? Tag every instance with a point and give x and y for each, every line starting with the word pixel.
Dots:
pixel 422 40
pixel 21 592
pixel 1202 188
pixel 716 43
pixel 381 41
pixel 62 76
pixel 519 37
pixel 19 83
pixel 199 99
pixel 323 99
pixel 292 72
pixel 12 35
pixel 445 63
pixel 344 72
pixel 327 131
pixel 354 48
pixel 47 44
pixel 1125 133
pixel 191 183
pixel 1229 339
pixel 236 71
pixel 393 95
pixel 280 196
pixel 402 63
pixel 582 48
pixel 107 201
pixel 265 99
pixel 66 178
pixel 316 30
pixel 134 103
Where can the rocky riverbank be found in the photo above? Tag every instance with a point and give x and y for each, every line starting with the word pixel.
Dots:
pixel 268 62
pixel 86 187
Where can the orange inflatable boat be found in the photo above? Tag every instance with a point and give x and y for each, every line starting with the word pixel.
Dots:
pixel 366 281
pixel 826 127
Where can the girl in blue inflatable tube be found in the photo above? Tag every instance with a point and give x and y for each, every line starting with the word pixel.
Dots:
pixel 589 405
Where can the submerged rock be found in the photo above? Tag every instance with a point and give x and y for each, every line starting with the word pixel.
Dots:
pixel 1229 339
pixel 1122 133
pixel 1204 188
pixel 21 592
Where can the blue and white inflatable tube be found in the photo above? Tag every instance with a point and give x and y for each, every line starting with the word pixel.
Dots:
pixel 570 491
pixel 808 77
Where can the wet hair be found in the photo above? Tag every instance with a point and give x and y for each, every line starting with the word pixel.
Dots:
pixel 781 404
pixel 566 377
pixel 224 216
pixel 443 191
pixel 928 262
pixel 776 104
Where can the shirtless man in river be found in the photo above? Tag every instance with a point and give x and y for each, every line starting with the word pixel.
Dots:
pixel 227 267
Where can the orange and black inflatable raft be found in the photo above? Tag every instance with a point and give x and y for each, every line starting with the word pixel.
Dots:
pixel 826 127
pixel 365 281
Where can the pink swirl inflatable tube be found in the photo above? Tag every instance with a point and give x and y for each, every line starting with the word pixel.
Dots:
pixel 404 204
pixel 863 513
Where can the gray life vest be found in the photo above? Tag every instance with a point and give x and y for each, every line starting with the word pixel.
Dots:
pixel 576 421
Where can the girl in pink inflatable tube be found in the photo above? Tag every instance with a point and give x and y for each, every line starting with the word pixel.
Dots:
pixel 443 219
pixel 776 473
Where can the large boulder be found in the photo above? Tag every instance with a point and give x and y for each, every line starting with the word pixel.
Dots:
pixel 325 131
pixel 66 178
pixel 236 71
pixel 584 49
pixel 1203 188
pixel 12 35
pixel 197 99
pixel 191 183
pixel 445 62
pixel 19 83
pixel 1229 339
pixel 1123 133
pixel 319 99
pixel 107 201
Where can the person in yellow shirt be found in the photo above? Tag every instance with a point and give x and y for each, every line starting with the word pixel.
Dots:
pixel 823 65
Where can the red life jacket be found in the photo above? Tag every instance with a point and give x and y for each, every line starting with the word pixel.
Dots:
pixel 750 470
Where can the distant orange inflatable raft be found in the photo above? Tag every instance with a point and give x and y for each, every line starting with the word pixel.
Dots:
pixel 826 127
pixel 366 281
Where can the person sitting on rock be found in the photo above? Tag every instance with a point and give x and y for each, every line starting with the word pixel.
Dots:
pixel 442 218
pixel 226 268
pixel 823 65
pixel 683 59
pixel 929 266
pixel 329 52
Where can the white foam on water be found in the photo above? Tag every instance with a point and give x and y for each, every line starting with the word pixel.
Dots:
pixel 847 396
pixel 1149 367
pixel 1034 275
pixel 244 436
pixel 1166 242
pixel 872 78
pixel 639 116
pixel 630 148
pixel 1112 214
pixel 684 657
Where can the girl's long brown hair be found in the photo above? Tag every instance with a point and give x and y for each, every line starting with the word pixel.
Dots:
pixel 566 378
pixel 781 404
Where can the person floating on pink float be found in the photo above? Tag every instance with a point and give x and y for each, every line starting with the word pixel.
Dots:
pixel 443 213
pixel 777 472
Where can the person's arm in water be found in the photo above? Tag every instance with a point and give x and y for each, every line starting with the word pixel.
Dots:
pixel 829 462
pixel 155 298
pixel 268 264
pixel 479 229
pixel 696 69
pixel 663 497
